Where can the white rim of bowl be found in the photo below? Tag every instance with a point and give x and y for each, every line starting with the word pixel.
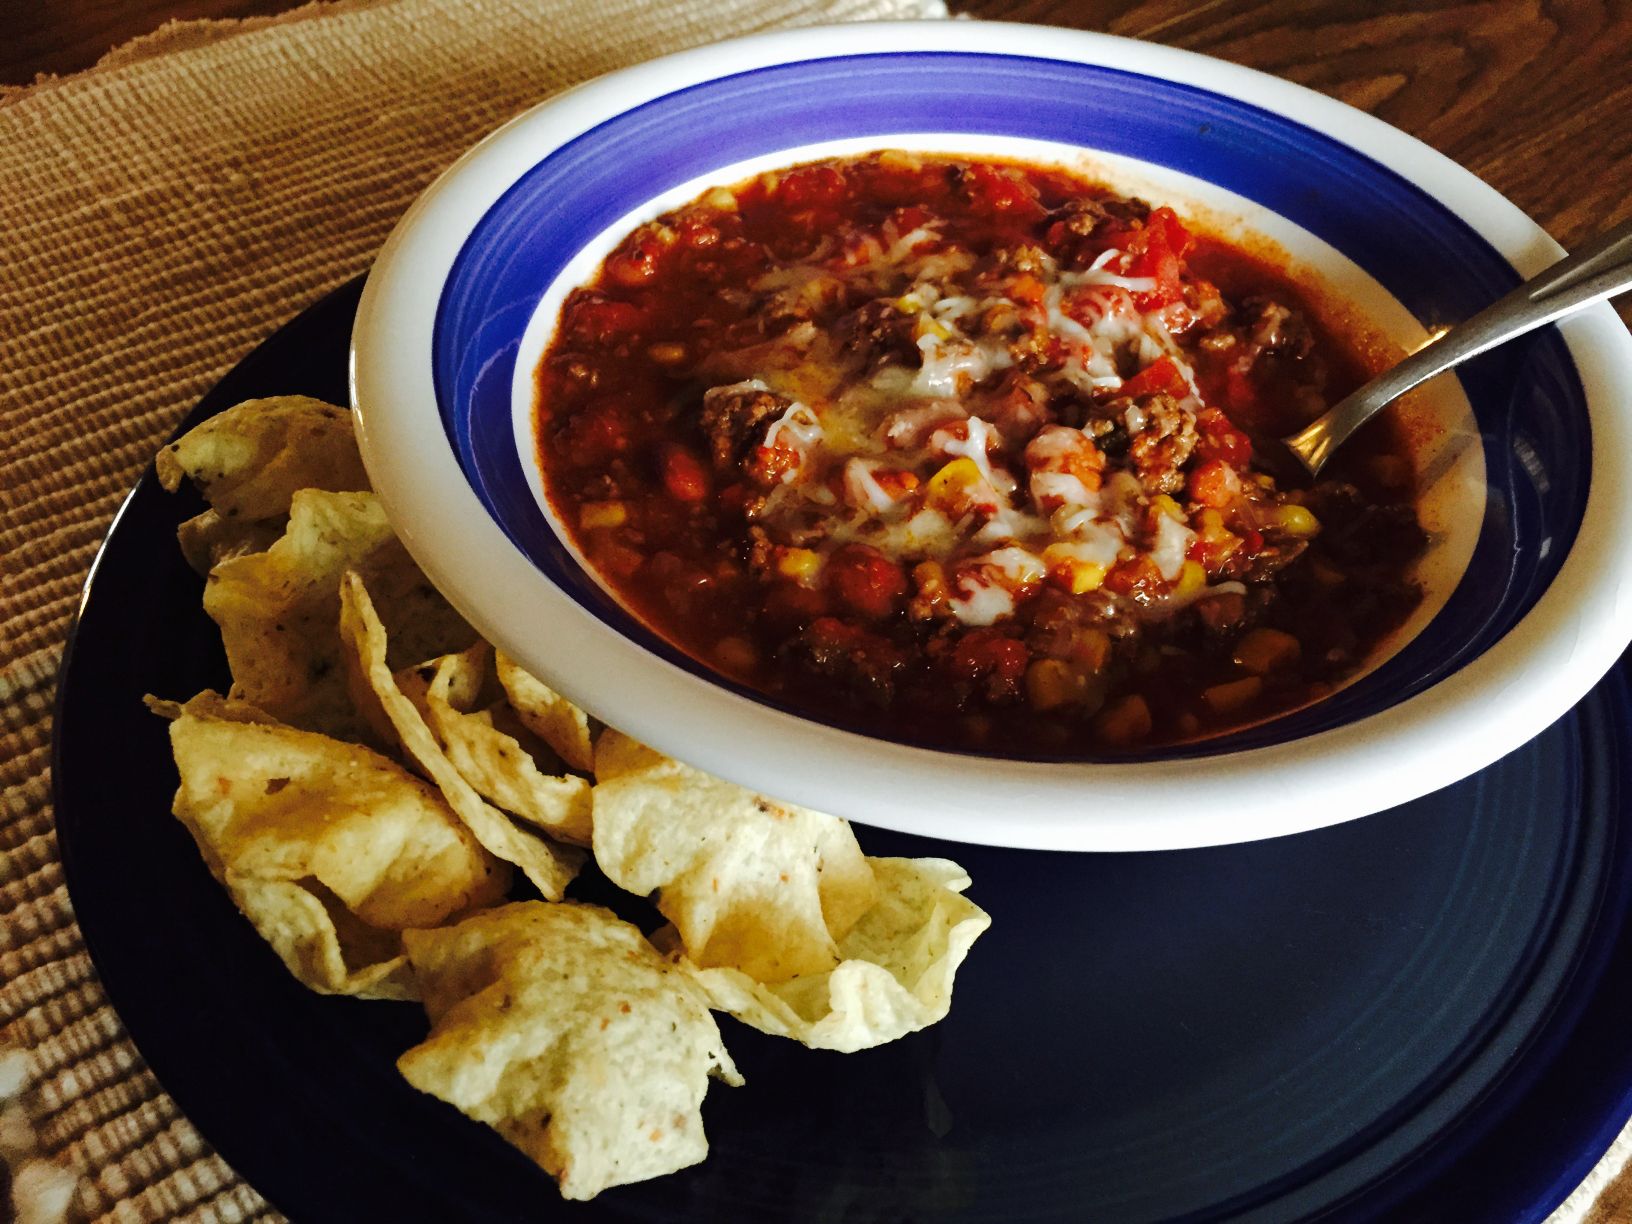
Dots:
pixel 1491 706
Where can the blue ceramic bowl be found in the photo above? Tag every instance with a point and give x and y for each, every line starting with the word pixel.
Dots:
pixel 1525 575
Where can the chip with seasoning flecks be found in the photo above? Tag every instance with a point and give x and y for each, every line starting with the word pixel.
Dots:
pixel 329 848
pixel 505 771
pixel 749 883
pixel 249 460
pixel 897 969
pixel 547 714
pixel 549 866
pixel 278 610
pixel 562 1028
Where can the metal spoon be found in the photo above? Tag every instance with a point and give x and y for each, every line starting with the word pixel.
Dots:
pixel 1599 270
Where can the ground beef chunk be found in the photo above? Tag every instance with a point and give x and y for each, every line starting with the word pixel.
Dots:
pixel 1025 257
pixel 1161 437
pixel 1354 532
pixel 1075 234
pixel 1273 328
pixel 735 419
pixel 880 333
pixel 863 665
pixel 1266 562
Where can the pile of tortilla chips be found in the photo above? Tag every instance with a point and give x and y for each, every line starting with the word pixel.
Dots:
pixel 379 786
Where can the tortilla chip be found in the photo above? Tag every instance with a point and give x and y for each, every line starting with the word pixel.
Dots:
pixel 749 883
pixel 560 1027
pixel 303 931
pixel 548 715
pixel 495 763
pixel 208 539
pixel 897 971
pixel 548 866
pixel 329 848
pixel 278 611
pixel 249 460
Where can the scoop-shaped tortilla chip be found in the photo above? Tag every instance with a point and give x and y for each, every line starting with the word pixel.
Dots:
pixel 497 764
pixel 328 847
pixel 279 610
pixel 749 883
pixel 208 539
pixel 550 867
pixel 563 1029
pixel 249 460
pixel 547 714
pixel 304 928
pixel 897 969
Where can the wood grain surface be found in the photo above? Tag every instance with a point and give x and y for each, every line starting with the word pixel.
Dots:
pixel 1531 95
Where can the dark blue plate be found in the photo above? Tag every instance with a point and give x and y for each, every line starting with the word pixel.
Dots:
pixel 1417 1016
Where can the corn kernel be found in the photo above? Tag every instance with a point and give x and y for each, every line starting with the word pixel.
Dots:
pixel 1052 683
pixel 667 353
pixel 1210 524
pixel 1296 520
pixel 721 199
pixel 800 564
pixel 597 515
pixel 899 159
pixel 1230 696
pixel 1192 577
pixel 1124 722
pixel 1163 504
pixel 1262 651
pixel 928 325
pixel 908 303
pixel 959 474
pixel 1083 576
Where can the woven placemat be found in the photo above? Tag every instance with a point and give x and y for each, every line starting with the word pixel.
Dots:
pixel 160 215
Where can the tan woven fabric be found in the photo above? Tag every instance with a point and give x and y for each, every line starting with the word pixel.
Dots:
pixel 158 216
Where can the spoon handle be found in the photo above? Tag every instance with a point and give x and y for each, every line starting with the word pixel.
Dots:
pixel 1599 270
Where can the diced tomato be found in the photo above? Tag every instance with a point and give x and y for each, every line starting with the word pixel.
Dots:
pixel 1027 288
pixel 1213 483
pixel 1157 250
pixel 684 475
pixel 993 660
pixel 595 319
pixel 595 433
pixel 1162 375
pixel 897 482
pixel 810 187
pixel 982 652
pixel 1220 439
pixel 992 189
pixel 910 218
pixel 866 582
pixel 1138 579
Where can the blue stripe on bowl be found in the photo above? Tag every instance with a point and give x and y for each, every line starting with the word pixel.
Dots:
pixel 1527 397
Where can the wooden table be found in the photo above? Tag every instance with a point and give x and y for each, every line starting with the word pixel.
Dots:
pixel 1533 97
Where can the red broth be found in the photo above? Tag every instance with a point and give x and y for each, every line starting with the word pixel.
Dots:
pixel 961 452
